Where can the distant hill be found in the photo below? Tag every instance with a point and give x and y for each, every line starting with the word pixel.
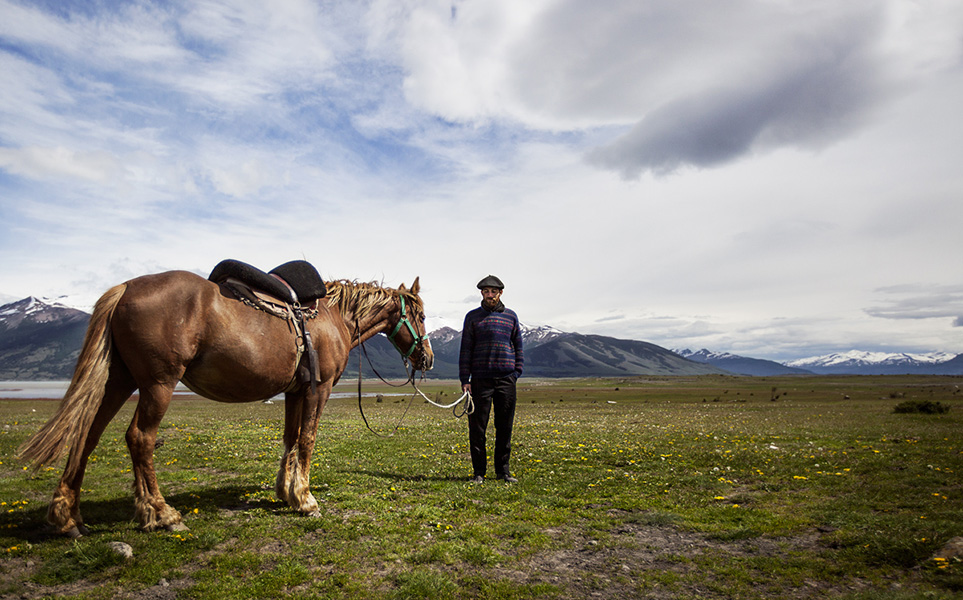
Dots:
pixel 577 355
pixel 741 365
pixel 553 353
pixel 954 366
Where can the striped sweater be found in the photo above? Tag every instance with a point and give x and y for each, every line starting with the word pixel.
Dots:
pixel 491 344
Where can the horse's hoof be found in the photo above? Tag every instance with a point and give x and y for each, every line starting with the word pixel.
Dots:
pixel 178 527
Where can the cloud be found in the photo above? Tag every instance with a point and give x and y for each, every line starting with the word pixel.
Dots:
pixel 811 87
pixel 814 149
pixel 920 302
pixel 610 318
pixel 36 163
pixel 686 84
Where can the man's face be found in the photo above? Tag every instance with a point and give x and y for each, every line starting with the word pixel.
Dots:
pixel 490 296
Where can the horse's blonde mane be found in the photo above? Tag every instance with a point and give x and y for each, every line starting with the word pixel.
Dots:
pixel 365 298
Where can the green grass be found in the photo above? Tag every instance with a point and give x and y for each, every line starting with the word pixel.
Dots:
pixel 711 487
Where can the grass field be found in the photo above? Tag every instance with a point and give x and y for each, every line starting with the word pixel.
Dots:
pixel 712 487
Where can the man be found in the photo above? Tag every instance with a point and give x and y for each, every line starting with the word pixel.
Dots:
pixel 489 364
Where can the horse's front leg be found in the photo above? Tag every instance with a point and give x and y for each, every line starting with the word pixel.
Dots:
pixel 300 432
pixel 150 508
pixel 293 405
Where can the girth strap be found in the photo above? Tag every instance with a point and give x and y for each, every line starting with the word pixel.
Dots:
pixel 294 314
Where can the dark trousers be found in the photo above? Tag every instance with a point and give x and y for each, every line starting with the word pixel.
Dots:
pixel 486 393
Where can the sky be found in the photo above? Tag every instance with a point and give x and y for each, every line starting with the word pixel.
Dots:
pixel 772 178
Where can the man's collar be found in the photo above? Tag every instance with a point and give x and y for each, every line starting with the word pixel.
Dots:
pixel 498 307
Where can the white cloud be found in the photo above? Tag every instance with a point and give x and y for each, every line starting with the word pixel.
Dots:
pixel 769 170
pixel 36 163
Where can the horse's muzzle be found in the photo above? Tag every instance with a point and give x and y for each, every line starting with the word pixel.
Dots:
pixel 427 356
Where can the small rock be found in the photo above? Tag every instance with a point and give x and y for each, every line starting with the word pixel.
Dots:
pixel 121 548
pixel 952 549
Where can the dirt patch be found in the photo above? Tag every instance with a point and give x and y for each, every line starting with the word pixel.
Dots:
pixel 163 590
pixel 612 568
pixel 19 569
pixel 659 560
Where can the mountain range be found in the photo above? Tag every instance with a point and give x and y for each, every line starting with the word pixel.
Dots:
pixel 880 363
pixel 742 365
pixel 553 353
pixel 40 340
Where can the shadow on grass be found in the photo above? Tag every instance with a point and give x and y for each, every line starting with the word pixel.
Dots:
pixel 110 515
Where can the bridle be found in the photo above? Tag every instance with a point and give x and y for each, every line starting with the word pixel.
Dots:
pixel 415 338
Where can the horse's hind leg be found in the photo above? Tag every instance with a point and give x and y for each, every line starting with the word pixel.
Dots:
pixel 64 510
pixel 150 508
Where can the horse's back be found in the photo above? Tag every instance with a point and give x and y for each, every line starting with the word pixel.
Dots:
pixel 170 289
pixel 179 326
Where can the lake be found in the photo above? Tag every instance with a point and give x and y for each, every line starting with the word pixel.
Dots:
pixel 55 390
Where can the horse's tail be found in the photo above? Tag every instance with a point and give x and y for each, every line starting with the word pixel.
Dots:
pixel 72 421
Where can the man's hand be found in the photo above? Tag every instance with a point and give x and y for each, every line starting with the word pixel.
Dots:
pixel 466 388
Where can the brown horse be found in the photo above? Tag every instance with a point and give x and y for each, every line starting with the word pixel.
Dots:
pixel 153 331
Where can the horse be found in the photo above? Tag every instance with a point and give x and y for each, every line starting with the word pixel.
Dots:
pixel 154 331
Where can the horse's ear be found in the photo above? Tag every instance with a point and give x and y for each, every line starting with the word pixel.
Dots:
pixel 402 288
pixel 416 286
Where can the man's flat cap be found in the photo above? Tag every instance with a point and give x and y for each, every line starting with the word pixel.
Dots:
pixel 492 282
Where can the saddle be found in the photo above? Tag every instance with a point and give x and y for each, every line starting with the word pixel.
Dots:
pixel 290 291
pixel 293 282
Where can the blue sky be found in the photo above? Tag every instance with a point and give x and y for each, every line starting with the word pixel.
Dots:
pixel 771 178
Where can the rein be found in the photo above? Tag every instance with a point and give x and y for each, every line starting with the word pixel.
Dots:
pixel 360 365
pixel 416 341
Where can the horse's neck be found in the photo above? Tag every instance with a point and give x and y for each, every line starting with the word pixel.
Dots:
pixel 367 327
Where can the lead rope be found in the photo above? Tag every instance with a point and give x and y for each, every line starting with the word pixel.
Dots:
pixel 466 396
pixel 469 405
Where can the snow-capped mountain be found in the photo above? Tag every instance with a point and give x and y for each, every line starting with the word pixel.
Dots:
pixel 32 309
pixel 873 363
pixel 861 358
pixel 443 335
pixel 704 355
pixel 740 365
pixel 40 339
pixel 533 336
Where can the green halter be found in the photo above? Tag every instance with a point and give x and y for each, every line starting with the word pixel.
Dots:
pixel 416 339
